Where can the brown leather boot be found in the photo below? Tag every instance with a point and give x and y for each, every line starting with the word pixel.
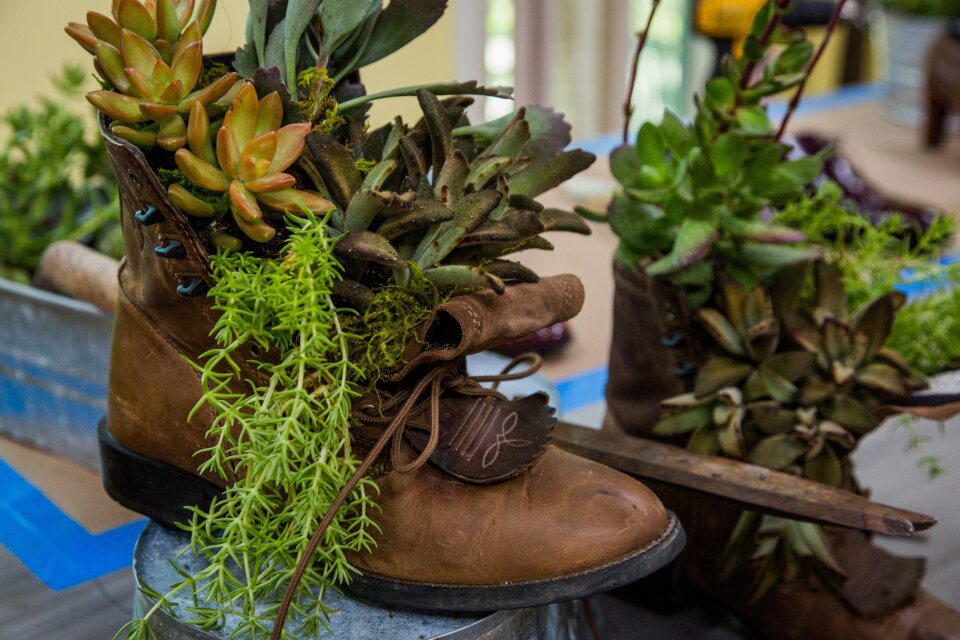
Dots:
pixel 479 511
pixel 943 86
pixel 654 355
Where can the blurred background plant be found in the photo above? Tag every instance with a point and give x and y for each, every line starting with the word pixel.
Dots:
pixel 57 184
pixel 942 8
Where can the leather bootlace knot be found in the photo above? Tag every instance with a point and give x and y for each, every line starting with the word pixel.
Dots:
pixel 445 377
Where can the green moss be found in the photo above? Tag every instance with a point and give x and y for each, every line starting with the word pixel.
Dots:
pixel 392 320
pixel 319 107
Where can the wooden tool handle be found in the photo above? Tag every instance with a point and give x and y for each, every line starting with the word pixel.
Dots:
pixel 79 272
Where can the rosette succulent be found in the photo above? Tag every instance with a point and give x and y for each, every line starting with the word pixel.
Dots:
pixel 150 90
pixel 449 198
pixel 694 195
pixel 780 384
pixel 790 385
pixel 159 22
pixel 252 152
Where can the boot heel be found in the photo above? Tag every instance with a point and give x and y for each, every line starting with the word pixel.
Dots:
pixel 155 489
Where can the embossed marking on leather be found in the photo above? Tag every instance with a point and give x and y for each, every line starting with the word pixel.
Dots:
pixel 484 439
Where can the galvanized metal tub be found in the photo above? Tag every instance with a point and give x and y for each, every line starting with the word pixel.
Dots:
pixel 54 353
pixel 356 620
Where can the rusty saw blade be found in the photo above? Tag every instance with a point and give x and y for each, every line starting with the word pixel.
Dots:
pixel 751 485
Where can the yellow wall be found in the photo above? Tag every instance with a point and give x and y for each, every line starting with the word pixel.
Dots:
pixel 33 47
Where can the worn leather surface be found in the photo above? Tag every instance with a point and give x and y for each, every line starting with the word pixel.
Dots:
pixel 648 317
pixel 480 321
pixel 565 515
pixel 152 388
pixel 487 439
pixel 943 85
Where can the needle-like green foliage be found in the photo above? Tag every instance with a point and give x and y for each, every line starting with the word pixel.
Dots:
pixel 876 259
pixel 282 443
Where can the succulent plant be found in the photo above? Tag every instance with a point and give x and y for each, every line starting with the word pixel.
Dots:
pixel 447 197
pixel 159 22
pixel 693 194
pixel 796 399
pixel 252 152
pixel 339 35
pixel 790 384
pixel 855 370
pixel 150 90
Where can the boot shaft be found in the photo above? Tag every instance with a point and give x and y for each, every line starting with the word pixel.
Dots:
pixel 654 352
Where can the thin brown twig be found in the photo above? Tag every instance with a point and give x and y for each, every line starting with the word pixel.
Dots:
pixel 631 85
pixel 798 94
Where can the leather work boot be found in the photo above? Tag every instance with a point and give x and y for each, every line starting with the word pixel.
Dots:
pixel 654 355
pixel 479 510
pixel 943 86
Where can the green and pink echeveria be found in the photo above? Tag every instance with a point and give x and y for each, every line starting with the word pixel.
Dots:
pixel 150 90
pixel 159 22
pixel 249 162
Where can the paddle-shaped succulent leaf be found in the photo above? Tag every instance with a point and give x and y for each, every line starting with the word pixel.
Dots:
pixel 850 353
pixel 160 22
pixel 449 198
pixel 151 91
pixel 249 161
pixel 694 193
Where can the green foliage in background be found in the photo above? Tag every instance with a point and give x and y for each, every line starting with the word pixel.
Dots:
pixel 693 193
pixel 936 8
pixel 875 259
pixel 57 184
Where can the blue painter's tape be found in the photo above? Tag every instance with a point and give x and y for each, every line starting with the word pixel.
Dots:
pixel 50 544
pixel 583 389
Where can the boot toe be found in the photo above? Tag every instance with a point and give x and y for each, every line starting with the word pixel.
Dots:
pixel 565 515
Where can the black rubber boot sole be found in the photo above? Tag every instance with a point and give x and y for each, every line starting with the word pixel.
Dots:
pixel 163 492
pixel 160 491
pixel 517 595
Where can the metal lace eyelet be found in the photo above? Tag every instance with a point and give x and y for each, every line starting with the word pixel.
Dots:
pixel 684 369
pixel 148 215
pixel 674 340
pixel 192 287
pixel 170 249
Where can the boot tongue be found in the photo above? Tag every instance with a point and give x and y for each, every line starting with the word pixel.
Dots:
pixel 479 321
pixel 486 439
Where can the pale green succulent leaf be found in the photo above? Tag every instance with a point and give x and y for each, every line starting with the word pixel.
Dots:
pixel 722 331
pixel 339 20
pixel 776 256
pixel 777 452
pixel 398 24
pixel 683 421
pixel 298 16
pixel 549 172
pixel 560 220
pixel 824 468
pixel 850 414
pixel 719 372
pixel 462 278
pixel 883 377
